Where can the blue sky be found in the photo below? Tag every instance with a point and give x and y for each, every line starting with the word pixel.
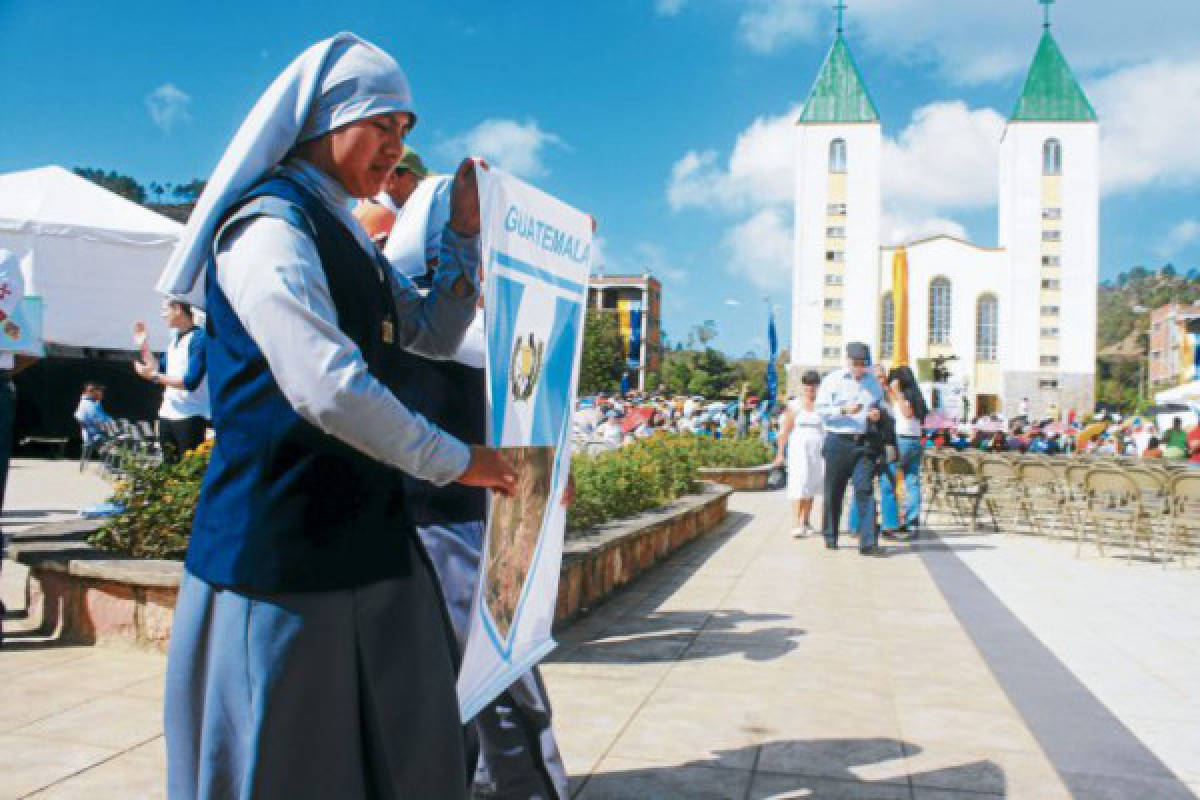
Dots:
pixel 666 119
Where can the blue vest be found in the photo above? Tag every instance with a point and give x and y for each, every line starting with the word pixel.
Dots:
pixel 284 506
pixel 453 397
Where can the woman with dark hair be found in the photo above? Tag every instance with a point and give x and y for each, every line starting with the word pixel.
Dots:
pixel 801 437
pixel 909 410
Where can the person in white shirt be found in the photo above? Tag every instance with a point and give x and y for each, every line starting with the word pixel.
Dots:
pixel 181 371
pixel 848 401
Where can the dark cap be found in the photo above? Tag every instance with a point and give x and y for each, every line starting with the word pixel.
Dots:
pixel 411 162
pixel 858 351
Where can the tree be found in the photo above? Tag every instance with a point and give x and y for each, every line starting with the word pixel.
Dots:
pixel 705 332
pixel 123 185
pixel 712 374
pixel 603 355
pixel 189 192
pixel 677 373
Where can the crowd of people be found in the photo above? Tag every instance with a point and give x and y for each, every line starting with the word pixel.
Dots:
pixel 611 420
pixel 1103 435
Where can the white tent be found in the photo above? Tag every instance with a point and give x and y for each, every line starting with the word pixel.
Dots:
pixel 91 255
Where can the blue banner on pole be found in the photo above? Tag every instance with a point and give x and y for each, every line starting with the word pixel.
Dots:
pixel 772 374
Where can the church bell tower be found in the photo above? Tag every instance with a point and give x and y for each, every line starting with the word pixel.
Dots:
pixel 835 268
pixel 1049 222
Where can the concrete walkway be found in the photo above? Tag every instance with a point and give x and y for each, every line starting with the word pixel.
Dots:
pixel 755 665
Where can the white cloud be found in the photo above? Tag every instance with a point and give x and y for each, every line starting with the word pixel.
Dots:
pixel 759 171
pixel 513 146
pixel 643 257
pixel 973 42
pixel 1181 235
pixel 768 25
pixel 600 257
pixel 169 106
pixel 729 301
pixel 896 228
pixel 946 158
pixel 653 258
pixel 1149 115
pixel 760 249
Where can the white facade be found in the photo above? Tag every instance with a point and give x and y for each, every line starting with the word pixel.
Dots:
pixel 975 274
pixel 818 187
pixel 1024 193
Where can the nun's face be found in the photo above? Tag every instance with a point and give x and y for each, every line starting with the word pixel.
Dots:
pixel 363 154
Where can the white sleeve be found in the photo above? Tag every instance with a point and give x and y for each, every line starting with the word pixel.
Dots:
pixel 271 274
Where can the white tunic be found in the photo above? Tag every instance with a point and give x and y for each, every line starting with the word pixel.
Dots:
pixel 806 466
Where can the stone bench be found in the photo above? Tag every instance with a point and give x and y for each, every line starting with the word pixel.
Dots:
pixel 88 596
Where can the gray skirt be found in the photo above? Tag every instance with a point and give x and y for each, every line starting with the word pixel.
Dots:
pixel 346 694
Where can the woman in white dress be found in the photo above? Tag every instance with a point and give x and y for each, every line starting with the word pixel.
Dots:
pixel 801 437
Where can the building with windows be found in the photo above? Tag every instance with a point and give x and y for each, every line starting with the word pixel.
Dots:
pixel 1014 321
pixel 1174 330
pixel 636 300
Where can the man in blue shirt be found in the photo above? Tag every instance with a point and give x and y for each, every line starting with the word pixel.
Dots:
pixel 90 414
pixel 848 401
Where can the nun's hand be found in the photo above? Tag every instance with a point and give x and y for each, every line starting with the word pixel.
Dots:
pixel 464 199
pixel 489 469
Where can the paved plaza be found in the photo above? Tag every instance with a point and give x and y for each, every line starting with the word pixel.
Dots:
pixel 754 665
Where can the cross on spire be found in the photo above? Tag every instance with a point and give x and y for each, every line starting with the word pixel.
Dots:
pixel 840 8
pixel 1046 13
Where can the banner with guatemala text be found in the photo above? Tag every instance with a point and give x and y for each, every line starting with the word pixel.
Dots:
pixel 537 256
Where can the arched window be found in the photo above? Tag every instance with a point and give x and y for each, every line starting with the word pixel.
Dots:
pixel 887 327
pixel 940 299
pixel 1052 157
pixel 987 327
pixel 837 155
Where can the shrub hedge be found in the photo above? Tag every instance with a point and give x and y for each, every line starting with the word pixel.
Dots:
pixel 159 501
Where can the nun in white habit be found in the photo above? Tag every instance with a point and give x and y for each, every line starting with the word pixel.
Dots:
pixel 310 655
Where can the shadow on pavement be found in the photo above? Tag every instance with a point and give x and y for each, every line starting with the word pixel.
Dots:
pixel 797 768
pixel 626 630
pixel 670 636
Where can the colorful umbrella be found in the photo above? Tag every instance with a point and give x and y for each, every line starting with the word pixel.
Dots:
pixel 1089 433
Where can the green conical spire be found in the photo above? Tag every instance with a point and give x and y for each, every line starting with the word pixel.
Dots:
pixel 839 94
pixel 1051 93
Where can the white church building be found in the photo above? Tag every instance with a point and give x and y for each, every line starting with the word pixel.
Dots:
pixel 1019 318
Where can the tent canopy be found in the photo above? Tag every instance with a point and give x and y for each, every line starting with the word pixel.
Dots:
pixel 55 200
pixel 90 254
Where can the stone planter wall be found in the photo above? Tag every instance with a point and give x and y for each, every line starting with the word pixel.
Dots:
pixel 105 601
pixel 613 555
pixel 85 596
pixel 740 478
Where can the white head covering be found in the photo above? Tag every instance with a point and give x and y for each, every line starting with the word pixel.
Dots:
pixel 416 234
pixel 333 83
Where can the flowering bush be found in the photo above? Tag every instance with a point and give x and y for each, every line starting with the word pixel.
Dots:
pixel 650 473
pixel 160 501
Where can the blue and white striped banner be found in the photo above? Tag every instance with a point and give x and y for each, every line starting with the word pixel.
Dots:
pixel 537 253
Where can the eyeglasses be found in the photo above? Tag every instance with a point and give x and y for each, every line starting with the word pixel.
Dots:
pixel 858 362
